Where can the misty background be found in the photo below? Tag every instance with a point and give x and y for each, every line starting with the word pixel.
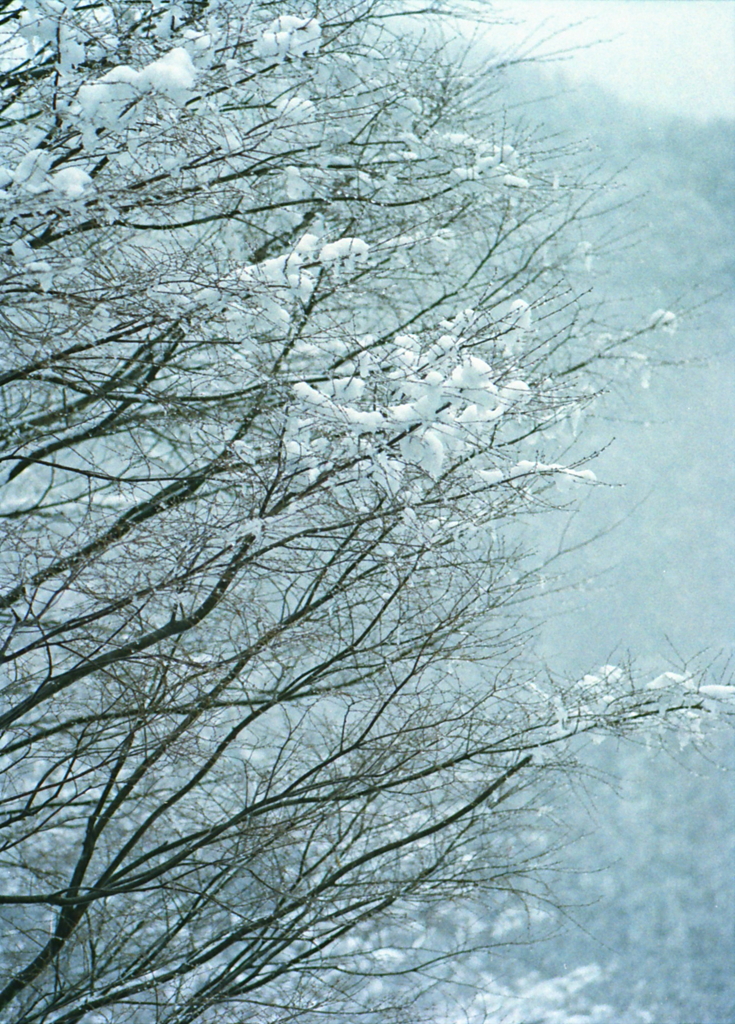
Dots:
pixel 656 913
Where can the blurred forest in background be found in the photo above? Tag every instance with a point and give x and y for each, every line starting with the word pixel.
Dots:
pixel 657 914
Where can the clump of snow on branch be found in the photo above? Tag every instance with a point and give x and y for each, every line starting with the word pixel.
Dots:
pixel 491 161
pixel 663 319
pixel 73 182
pixel 289 36
pixel 108 97
pixel 345 251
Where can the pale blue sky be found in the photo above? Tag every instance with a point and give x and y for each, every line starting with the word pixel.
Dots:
pixel 673 55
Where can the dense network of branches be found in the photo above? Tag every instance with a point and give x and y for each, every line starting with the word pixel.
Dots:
pixel 291 346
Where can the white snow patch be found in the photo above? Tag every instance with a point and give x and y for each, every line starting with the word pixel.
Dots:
pixel 664 319
pixel 31 171
pixel 296 186
pixel 351 250
pixel 71 51
pixel 490 476
pixel 345 389
pixel 715 690
pixel 295 109
pixel 473 380
pixel 116 88
pixel 668 679
pixel 522 313
pixel 589 680
pixel 307 393
pixel 289 36
pixel 515 391
pixel 307 244
pixel 284 271
pixel 611 673
pixel 524 467
pixel 365 421
pixel 173 74
pixel 72 181
pixel 425 450
pixel 433 453
pixel 464 173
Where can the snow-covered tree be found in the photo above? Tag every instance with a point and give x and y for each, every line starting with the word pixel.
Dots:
pixel 292 352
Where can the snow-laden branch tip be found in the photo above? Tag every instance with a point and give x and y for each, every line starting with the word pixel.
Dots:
pixel 104 99
pixel 289 36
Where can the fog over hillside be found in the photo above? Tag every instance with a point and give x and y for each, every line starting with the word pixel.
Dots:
pixel 656 912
